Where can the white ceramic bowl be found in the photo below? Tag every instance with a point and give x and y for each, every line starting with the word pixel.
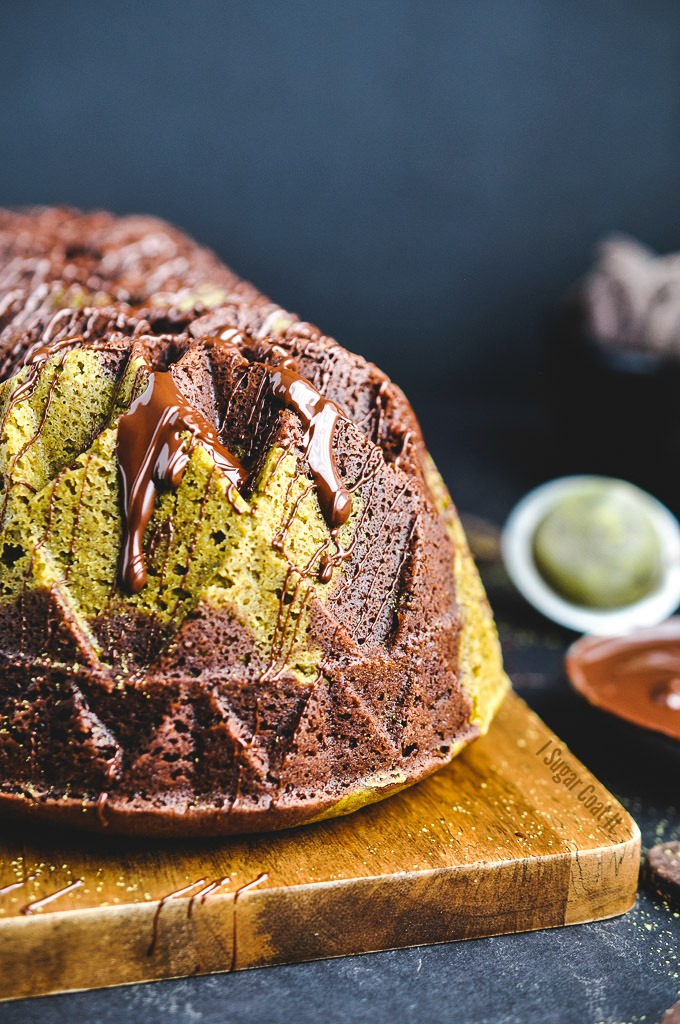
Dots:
pixel 517 547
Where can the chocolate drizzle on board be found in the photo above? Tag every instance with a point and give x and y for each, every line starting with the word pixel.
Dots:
pixel 161 903
pixel 263 877
pixel 35 905
pixel 207 889
pixel 5 889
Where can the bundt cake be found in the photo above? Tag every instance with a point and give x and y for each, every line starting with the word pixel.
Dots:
pixel 234 593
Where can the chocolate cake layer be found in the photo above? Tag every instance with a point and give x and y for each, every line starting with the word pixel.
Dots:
pixel 234 593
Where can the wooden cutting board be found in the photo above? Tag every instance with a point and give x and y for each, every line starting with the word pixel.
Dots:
pixel 493 843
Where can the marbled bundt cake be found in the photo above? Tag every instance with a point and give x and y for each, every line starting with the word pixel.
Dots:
pixel 234 593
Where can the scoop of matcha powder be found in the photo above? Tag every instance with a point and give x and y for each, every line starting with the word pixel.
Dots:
pixel 598 547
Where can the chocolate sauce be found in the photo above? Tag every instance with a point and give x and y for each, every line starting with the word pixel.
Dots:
pixel 31 908
pixel 319 417
pixel 153 450
pixel 36 357
pixel 244 888
pixel 156 917
pixel 636 677
pixel 668 694
pixel 5 889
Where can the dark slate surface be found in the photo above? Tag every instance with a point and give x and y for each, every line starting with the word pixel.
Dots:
pixel 623 970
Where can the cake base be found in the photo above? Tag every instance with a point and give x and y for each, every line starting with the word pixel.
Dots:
pixel 513 835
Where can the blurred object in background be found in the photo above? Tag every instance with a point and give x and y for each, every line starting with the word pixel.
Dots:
pixel 632 300
pixel 636 677
pixel 615 368
pixel 594 554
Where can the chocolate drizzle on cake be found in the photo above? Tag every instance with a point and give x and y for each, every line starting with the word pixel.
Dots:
pixel 319 417
pixel 36 357
pixel 153 450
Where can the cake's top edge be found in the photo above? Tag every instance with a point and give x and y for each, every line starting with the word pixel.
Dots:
pixel 73 280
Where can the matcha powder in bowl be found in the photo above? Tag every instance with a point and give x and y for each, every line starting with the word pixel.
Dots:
pixel 595 554
pixel 598 547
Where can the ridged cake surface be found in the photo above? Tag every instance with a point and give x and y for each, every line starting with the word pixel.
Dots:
pixel 234 593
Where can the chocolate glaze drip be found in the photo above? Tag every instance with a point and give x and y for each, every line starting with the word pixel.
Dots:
pixel 636 677
pixel 153 450
pixel 263 877
pixel 36 357
pixel 36 905
pixel 319 417
pixel 157 915
pixel 5 889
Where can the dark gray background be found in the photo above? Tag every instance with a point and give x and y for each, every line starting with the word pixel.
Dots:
pixel 423 180
pixel 416 177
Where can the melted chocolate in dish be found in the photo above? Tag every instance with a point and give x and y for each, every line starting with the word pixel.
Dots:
pixel 227 591
pixel 636 677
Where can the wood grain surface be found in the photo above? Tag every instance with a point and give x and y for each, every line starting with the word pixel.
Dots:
pixel 505 839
